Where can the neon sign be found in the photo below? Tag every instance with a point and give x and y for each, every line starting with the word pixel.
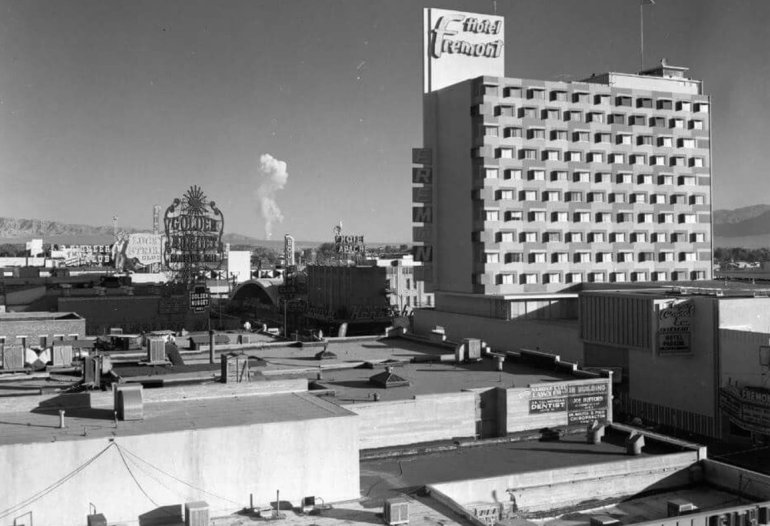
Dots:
pixel 194 228
pixel 451 25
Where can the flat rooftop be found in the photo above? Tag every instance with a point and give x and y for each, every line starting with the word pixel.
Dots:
pixel 42 425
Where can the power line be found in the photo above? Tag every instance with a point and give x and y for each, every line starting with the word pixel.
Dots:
pixel 125 463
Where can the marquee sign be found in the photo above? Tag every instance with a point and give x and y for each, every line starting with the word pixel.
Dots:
pixel 747 407
pixel 458 46
pixel 194 228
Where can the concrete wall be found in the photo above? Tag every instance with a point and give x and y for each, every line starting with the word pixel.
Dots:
pixel 730 478
pixel 558 337
pixel 309 457
pixel 546 490
pixel 739 356
pixel 422 419
pixel 748 314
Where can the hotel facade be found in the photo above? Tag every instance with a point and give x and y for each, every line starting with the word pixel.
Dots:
pixel 530 187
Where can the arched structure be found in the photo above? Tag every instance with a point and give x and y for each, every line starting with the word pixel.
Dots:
pixel 264 291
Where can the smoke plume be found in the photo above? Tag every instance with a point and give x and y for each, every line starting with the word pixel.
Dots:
pixel 273 177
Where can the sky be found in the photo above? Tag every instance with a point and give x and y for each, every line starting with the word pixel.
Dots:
pixel 108 107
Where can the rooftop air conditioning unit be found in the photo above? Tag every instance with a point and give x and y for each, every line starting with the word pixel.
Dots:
pixel 196 513
pixel 677 507
pixel 396 511
pixel 156 350
pixel 61 354
pixel 13 356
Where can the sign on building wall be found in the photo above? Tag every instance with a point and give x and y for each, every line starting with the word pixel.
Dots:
pixel 459 46
pixel 747 407
pixel 199 299
pixel 83 255
pixel 194 228
pixel 583 403
pixel 673 326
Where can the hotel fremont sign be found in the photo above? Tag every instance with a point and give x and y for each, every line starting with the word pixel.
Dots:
pixel 460 46
pixel 194 228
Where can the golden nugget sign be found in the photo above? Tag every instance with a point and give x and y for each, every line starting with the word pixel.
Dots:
pixel 194 228
pixel 447 37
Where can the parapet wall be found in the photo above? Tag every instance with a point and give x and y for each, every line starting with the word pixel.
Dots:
pixel 750 483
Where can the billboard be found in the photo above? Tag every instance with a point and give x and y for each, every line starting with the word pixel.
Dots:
pixel 673 326
pixel 83 255
pixel 193 227
pixel 583 402
pixel 137 251
pixel 458 46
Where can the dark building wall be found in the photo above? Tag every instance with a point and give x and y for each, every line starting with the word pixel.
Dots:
pixel 348 291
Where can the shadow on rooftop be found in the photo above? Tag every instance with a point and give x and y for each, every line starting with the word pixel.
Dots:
pixel 163 515
pixel 353 516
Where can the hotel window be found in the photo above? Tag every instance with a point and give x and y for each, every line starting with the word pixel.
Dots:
pixel 559 217
pixel 551 113
pixel 528 279
pixel 687 256
pixel 573 115
pixel 505 111
pixel 697 199
pixel 618 237
pixel 505 237
pixel 596 157
pixel 644 140
pixel 678 199
pixel 513 257
pixel 513 174
pixel 573 157
pixel 558 95
pixel 625 217
pixel 666 218
pixel 658 237
pixel 666 180
pixel 551 155
pixel 581 257
pixel 512 91
pixel 603 137
pixel 597 237
pixel 491 173
pixel 658 160
pixel 697 237
pixel 666 141
pixel 552 277
pixel 536 133
pixel 528 237
pixel 596 277
pixel 617 118
pixel 559 257
pixel 528 153
pixel 575 237
pixel 506 195
pixel 537 216
pixel 528 112
pixel 698 274
pixel 677 161
pixel 659 275
pixel 491 257
pixel 602 98
pixel 558 175
pixel 602 177
pixel 619 277
pixel 638 158
pixel 603 217
pixel 580 96
pixel 696 125
pixel 505 279
pixel 645 218
pixel 558 135
pixel 623 138
pixel 645 179
pixel 491 131
pixel 696 162
pixel 581 217
pixel 639 237
pixel 574 277
pixel 574 197
pixel 643 102
pixel 646 256
pixel 687 180
pixel 686 143
pixel 514 215
pixel 551 237
pixel 604 257
pixel 665 104
pixel 551 195
pixel 659 122
pixel 595 116
pixel 658 199
pixel 637 120
pixel 536 93
pixel 625 257
pixel 537 175
pixel 623 101
pixel 684 105
pixel 581 177
pixel 639 276
pixel 679 237
pixel 677 123
pixel 702 107
pixel 617 158
pixel 512 132
pixel 581 136
pixel 617 197
pixel 537 257
pixel 688 218
pixel 487 89
pixel 596 197
pixel 624 178
pixel 638 197
pixel 528 195
pixel 491 215
pixel 505 153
